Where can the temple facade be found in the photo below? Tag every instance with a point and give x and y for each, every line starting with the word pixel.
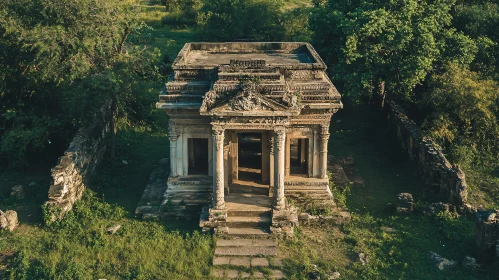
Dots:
pixel 247 120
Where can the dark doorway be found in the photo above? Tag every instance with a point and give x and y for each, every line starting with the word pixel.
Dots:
pixel 298 156
pixel 250 157
pixel 198 156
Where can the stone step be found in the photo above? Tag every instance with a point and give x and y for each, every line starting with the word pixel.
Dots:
pixel 248 213
pixel 248 221
pixel 241 261
pixel 246 251
pixel 306 188
pixel 235 274
pixel 246 242
pixel 249 232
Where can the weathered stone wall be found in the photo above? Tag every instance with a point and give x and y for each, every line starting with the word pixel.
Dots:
pixel 75 168
pixel 487 235
pixel 440 175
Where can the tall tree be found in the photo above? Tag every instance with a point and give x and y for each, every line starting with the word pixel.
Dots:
pixel 386 46
pixel 45 46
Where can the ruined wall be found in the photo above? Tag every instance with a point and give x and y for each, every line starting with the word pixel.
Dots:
pixel 487 235
pixel 75 168
pixel 440 175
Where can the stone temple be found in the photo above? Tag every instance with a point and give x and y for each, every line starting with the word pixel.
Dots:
pixel 248 130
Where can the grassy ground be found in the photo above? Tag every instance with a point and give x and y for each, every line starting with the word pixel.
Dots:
pixel 401 253
pixel 79 248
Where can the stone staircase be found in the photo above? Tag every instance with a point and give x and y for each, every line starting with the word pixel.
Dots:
pixel 247 250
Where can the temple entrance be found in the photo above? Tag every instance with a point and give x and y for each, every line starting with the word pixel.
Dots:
pixel 249 162
pixel 250 157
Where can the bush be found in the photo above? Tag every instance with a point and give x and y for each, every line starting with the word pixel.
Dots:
pixel 182 12
pixel 232 20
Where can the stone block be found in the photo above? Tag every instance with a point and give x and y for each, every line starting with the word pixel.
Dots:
pixel 8 220
pixel 405 203
pixel 440 262
pixel 259 262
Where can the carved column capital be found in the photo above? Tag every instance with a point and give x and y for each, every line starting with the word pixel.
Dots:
pixel 325 128
pixel 217 130
pixel 279 137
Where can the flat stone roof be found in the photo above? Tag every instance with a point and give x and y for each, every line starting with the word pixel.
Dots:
pixel 287 54
pixel 207 58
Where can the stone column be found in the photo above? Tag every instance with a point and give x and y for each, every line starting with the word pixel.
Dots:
pixel 279 166
pixel 324 137
pixel 271 160
pixel 218 168
pixel 173 136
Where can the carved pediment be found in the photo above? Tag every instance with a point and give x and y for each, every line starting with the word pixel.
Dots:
pixel 248 101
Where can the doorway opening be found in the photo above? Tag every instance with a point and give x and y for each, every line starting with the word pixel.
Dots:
pixel 298 156
pixel 250 157
pixel 198 156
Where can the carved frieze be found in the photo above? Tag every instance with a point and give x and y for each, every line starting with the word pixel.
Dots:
pixel 245 64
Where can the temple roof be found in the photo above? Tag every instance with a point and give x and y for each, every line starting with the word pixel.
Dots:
pixel 254 79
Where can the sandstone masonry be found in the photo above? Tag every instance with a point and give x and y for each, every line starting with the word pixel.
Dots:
pixel 443 177
pixel 74 169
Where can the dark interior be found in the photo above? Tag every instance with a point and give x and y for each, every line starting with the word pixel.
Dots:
pixel 250 157
pixel 298 156
pixel 198 156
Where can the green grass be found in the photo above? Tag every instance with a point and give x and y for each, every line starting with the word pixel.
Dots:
pixel 79 248
pixel 402 254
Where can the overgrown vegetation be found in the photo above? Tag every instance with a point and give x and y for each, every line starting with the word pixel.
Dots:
pixel 437 58
pixel 396 246
pixel 60 60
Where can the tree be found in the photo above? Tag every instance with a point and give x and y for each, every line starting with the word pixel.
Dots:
pixel 464 115
pixel 379 47
pixel 253 20
pixel 45 47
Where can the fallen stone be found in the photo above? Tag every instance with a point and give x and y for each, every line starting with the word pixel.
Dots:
pixel 435 208
pixel 441 262
pixel 388 229
pixel 18 192
pixel 470 262
pixel 364 259
pixel 314 275
pixel 405 203
pixel 8 220
pixel 333 276
pixel 113 229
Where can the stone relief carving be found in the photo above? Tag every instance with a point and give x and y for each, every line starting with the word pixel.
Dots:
pixel 246 102
pixel 245 64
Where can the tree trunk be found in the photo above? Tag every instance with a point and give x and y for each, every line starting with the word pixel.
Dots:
pixel 381 93
pixel 114 126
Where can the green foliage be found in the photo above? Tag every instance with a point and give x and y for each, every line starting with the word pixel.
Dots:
pixel 464 110
pixel 48 47
pixel 386 45
pixel 78 248
pixel 229 20
pixel 182 12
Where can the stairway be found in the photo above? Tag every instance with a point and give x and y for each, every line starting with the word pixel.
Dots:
pixel 247 250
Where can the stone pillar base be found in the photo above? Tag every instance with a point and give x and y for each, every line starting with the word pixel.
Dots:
pixel 213 219
pixel 284 221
